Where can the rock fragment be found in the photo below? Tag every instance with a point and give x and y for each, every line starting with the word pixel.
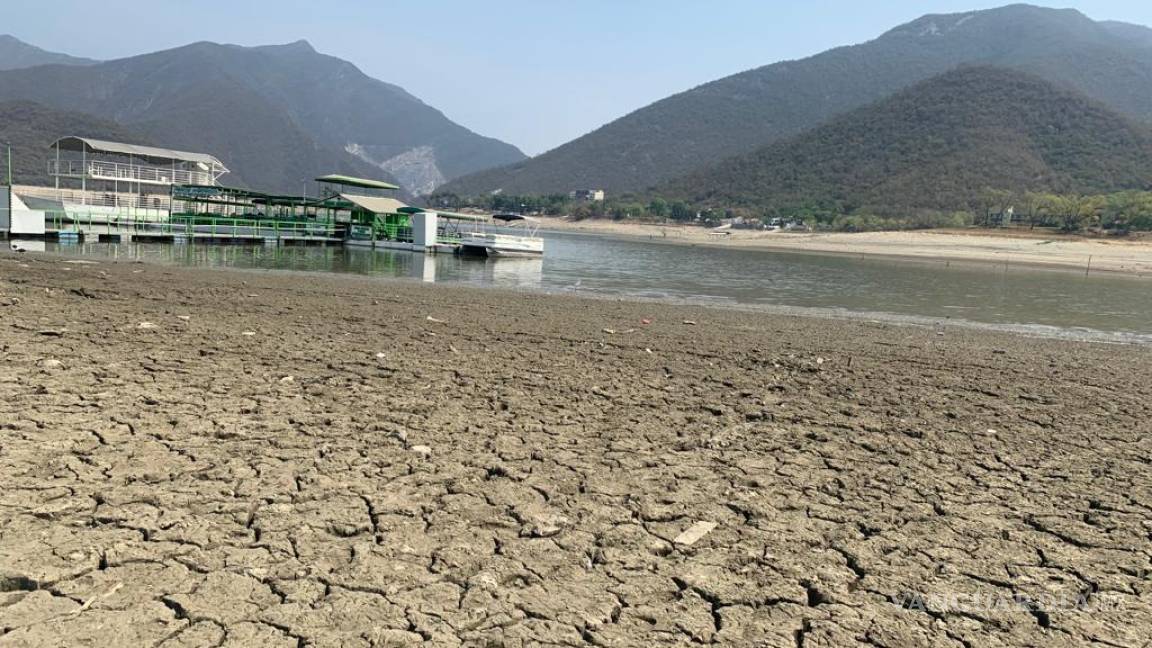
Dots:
pixel 546 525
pixel 694 533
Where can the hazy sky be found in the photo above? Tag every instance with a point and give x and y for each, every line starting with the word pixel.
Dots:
pixel 535 73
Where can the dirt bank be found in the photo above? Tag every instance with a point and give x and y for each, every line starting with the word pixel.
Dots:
pixel 220 458
pixel 1123 255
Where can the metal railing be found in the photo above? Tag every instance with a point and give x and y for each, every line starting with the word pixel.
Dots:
pixel 118 171
pixel 98 198
pixel 199 228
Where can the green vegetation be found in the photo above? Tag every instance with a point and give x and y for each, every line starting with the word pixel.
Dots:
pixel 946 152
pixel 629 207
pixel 1117 213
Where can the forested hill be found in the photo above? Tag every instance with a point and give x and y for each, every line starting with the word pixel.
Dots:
pixel 939 145
pixel 737 114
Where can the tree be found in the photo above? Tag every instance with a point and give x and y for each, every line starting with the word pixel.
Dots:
pixel 658 208
pixel 1035 207
pixel 995 203
pixel 1079 212
pixel 1121 211
pixel 682 211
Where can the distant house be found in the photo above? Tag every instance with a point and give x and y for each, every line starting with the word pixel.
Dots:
pixel 587 195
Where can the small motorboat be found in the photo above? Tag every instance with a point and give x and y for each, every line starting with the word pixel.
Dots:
pixel 492 244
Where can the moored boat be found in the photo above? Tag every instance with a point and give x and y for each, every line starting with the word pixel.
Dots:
pixel 494 244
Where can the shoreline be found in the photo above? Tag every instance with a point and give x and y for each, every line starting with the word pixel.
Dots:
pixel 205 456
pixel 1079 334
pixel 1016 249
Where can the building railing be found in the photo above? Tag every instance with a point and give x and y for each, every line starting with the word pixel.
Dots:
pixel 118 171
pixel 198 227
pixel 98 198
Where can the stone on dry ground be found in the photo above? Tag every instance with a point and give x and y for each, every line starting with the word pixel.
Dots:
pixel 514 476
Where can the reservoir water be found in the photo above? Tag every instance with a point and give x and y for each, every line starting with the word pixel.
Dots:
pixel 1097 306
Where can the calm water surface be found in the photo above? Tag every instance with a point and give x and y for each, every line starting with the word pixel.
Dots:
pixel 1098 306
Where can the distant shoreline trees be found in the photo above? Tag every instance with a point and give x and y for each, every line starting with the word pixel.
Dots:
pixel 1116 213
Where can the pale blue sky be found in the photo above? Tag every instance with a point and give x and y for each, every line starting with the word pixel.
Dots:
pixel 535 73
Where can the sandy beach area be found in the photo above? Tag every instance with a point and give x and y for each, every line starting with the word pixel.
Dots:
pixel 1122 255
pixel 195 457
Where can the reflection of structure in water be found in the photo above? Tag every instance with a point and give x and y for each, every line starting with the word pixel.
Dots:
pixel 523 272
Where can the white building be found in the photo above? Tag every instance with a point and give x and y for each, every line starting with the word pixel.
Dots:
pixel 587 195
pixel 94 176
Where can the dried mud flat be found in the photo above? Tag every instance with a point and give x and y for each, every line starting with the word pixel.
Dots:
pixel 218 458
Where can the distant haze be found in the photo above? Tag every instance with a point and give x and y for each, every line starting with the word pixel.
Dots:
pixel 535 74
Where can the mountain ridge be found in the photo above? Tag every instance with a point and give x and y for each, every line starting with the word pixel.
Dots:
pixel 938 145
pixel 16 54
pixel 738 113
pixel 278 115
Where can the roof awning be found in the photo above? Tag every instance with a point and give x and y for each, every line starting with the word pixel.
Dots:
pixel 447 215
pixel 73 143
pixel 375 204
pixel 349 181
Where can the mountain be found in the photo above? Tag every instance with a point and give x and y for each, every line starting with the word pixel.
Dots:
pixel 1109 61
pixel 16 54
pixel 277 116
pixel 29 128
pixel 939 145
pixel 1138 35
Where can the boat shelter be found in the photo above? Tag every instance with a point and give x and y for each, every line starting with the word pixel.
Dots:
pixel 373 213
pixel 217 201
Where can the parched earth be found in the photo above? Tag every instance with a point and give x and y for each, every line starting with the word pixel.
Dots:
pixel 220 458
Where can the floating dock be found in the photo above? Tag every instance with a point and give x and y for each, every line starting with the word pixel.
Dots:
pixel 114 191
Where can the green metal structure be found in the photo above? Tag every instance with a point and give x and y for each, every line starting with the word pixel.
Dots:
pixel 369 207
pixel 192 203
pixel 355 209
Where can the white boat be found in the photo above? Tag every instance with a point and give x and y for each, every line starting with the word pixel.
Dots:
pixel 498 245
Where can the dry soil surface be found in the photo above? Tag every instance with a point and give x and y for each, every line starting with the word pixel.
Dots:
pixel 220 458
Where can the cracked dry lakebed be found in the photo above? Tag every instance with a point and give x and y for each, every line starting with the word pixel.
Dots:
pixel 227 458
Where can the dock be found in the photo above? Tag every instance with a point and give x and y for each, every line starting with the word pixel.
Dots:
pixel 114 191
pixel 125 228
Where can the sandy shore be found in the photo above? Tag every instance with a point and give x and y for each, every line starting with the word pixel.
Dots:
pixel 223 458
pixel 1129 256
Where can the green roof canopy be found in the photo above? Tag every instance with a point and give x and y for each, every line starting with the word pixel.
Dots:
pixel 218 194
pixel 349 181
pixel 192 190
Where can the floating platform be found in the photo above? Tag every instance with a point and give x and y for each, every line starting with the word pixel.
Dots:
pixel 435 248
